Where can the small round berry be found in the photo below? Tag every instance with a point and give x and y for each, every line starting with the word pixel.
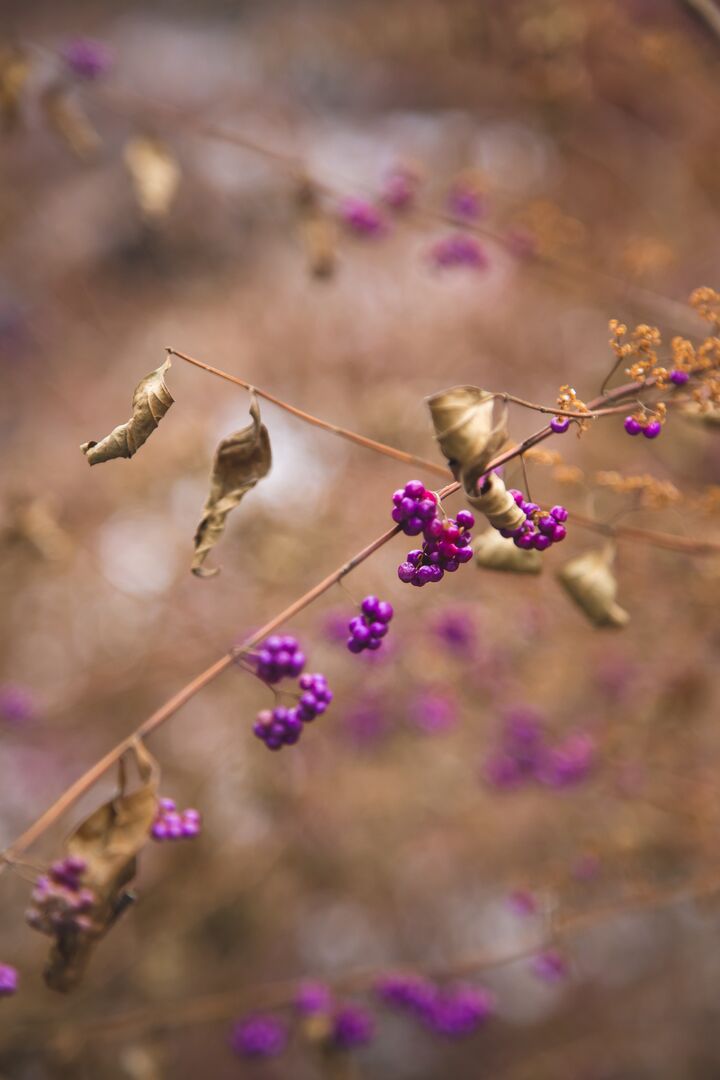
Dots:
pixel 406 572
pixel 378 629
pixel 384 611
pixel 541 542
pixel 531 508
pixel 464 555
pixel 433 530
pixel 425 574
pixel 679 378
pixel 632 426
pixel 525 541
pixel 560 424
pixel 414 557
pixel 465 519
pixel 559 513
pixel 559 533
pixel 517 496
pixel 415 489
pixel 369 606
pixel 413 526
pixel 547 524
pixel 652 430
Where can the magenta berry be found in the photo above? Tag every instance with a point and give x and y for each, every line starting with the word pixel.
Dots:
pixel 446 548
pixel 368 630
pixel 173 824
pixel 414 508
pixel 279 657
pixel 652 430
pixel 632 426
pixel 459 249
pixel 560 424
pixel 362 218
pixel 541 528
pixel 679 378
pixel 259 1037
pixel 86 58
pixel 8 980
pixel 60 902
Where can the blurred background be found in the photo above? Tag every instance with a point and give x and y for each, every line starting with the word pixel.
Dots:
pixel 354 205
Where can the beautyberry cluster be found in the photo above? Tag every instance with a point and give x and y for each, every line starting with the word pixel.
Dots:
pixel 368 630
pixel 280 657
pixel 174 824
pixel 414 508
pixel 639 424
pixel 283 726
pixel 541 528
pixel 525 754
pixel 59 900
pixel 8 980
pixel 446 547
pixel 454 1011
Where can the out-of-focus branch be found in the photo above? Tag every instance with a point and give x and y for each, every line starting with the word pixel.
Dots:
pixel 708 12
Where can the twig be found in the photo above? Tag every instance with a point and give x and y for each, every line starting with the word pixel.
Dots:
pixel 708 11
pixel 86 781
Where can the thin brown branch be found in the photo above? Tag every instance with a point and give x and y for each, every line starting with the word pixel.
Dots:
pixel 93 774
pixel 335 429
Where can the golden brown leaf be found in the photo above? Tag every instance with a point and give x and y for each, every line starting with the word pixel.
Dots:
pixel 66 117
pixel 14 72
pixel 151 400
pixel 497 504
pixel 591 583
pixel 468 431
pixel 108 841
pixel 494 552
pixel 155 175
pixel 241 460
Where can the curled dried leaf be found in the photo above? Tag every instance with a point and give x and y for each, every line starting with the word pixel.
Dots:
pixel 317 231
pixel 67 117
pixel 108 842
pixel 468 430
pixel 241 460
pixel 32 522
pixel 495 552
pixel 155 175
pixel 497 504
pixel 14 72
pixel 590 581
pixel 151 400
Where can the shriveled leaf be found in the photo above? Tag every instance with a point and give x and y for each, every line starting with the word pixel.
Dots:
pixel 590 581
pixel 241 460
pixel 155 175
pixel 495 552
pixel 468 429
pixel 151 400
pixel 67 118
pixel 497 504
pixel 108 841
pixel 317 231
pixel 31 522
pixel 14 72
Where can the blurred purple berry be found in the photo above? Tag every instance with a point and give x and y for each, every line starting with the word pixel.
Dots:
pixel 352 1026
pixel 86 58
pixel 259 1037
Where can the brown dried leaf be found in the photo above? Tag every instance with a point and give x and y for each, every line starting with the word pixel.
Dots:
pixel 14 72
pixel 494 552
pixel 497 504
pixel 241 460
pixel 109 841
pixel 317 231
pixel 68 119
pixel 155 175
pixel 32 522
pixel 591 583
pixel 151 400
pixel 468 430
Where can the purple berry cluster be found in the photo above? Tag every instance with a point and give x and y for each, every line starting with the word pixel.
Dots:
pixel 453 1011
pixel 414 508
pixel 280 657
pixel 59 900
pixel 368 629
pixel 446 547
pixel 524 754
pixel 459 249
pixel 86 58
pixel 8 980
pixel 174 824
pixel 636 425
pixel 283 726
pixel 259 1036
pixel 541 528
pixel 362 217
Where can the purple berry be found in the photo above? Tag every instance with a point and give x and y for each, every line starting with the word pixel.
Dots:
pixel 632 426
pixel 560 424
pixel 559 513
pixel 465 519
pixel 559 533
pixel 384 611
pixel 541 542
pixel 8 980
pixel 414 489
pixel 679 378
pixel 652 430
